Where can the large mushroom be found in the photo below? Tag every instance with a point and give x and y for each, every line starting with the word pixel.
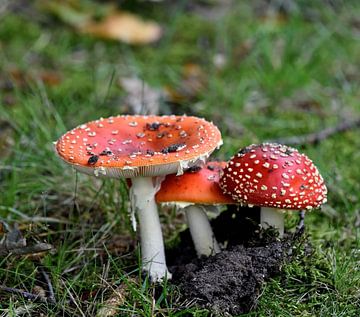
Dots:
pixel 275 177
pixel 141 148
pixel 195 191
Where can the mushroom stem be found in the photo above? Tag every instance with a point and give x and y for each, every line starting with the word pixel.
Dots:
pixel 201 231
pixel 152 243
pixel 272 217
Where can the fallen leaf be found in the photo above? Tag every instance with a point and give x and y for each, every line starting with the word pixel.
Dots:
pixel 141 98
pixel 111 305
pixel 125 27
pixel 39 291
pixel 103 20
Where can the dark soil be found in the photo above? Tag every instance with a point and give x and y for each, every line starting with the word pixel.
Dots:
pixel 230 283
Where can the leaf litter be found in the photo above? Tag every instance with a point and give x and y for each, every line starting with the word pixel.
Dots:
pixel 104 20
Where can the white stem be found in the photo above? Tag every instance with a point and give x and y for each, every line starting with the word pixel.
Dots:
pixel 152 244
pixel 201 231
pixel 272 217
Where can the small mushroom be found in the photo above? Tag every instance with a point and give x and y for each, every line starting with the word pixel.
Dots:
pixel 195 191
pixel 275 177
pixel 140 148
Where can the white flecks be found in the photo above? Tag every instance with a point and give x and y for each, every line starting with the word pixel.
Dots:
pixel 99 171
pixel 140 135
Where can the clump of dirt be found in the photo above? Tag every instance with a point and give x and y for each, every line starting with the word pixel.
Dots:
pixel 230 282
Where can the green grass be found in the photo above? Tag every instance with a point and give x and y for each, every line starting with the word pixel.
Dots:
pixel 281 78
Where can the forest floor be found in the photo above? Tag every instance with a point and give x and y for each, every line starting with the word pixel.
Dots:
pixel 286 71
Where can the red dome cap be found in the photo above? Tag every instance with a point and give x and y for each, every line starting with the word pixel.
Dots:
pixel 130 146
pixel 273 175
pixel 197 185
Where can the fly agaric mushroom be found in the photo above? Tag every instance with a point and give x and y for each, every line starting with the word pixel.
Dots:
pixel 194 191
pixel 275 177
pixel 140 148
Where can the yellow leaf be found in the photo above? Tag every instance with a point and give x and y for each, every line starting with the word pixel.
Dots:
pixel 125 27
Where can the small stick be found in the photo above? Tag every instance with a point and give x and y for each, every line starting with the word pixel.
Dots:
pixel 49 285
pixel 316 137
pixel 27 295
pixel 23 250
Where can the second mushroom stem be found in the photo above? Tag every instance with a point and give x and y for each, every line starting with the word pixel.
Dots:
pixel 201 231
pixel 152 243
pixel 272 217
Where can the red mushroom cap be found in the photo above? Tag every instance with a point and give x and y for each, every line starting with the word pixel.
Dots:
pixel 130 146
pixel 197 185
pixel 273 175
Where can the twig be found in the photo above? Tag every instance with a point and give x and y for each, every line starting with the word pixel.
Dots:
pixel 27 295
pixel 23 250
pixel 51 296
pixel 316 137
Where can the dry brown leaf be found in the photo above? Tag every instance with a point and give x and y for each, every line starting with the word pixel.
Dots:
pixel 111 305
pixel 125 27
